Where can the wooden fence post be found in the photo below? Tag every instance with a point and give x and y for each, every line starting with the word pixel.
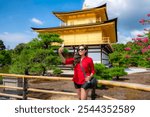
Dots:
pixel 25 88
pixel 93 93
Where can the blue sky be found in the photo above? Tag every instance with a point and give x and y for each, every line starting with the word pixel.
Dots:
pixel 18 16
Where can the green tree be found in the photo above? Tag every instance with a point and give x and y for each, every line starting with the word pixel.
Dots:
pixel 2 46
pixel 37 56
pixel 5 57
pixel 117 57
pixel 19 48
pixel 47 39
pixel 135 53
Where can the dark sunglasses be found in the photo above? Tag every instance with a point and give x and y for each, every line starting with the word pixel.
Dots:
pixel 81 49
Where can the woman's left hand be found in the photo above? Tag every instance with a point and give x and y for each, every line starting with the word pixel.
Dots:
pixel 87 78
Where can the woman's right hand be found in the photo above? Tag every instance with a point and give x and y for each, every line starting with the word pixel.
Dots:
pixel 60 50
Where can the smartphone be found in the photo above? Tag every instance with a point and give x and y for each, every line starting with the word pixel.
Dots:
pixel 62 45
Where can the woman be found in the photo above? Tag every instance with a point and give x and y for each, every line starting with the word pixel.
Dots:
pixel 81 62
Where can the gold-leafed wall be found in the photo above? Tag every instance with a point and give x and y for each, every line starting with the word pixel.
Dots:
pixel 81 21
pixel 82 38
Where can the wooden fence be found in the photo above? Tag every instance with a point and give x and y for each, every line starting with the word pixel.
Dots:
pixel 25 87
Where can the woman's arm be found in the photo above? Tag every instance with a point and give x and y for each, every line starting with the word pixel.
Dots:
pixel 88 78
pixel 60 54
pixel 91 65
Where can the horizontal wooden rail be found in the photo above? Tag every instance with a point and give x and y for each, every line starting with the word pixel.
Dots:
pixel 31 98
pixel 39 90
pixel 11 87
pixel 125 85
pixel 103 82
pixel 10 95
pixel 16 96
pixel 35 77
pixel 53 92
pixel 109 98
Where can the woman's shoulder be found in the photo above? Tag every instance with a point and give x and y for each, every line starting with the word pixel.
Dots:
pixel 70 58
pixel 89 58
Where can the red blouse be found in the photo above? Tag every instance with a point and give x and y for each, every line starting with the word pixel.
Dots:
pixel 87 64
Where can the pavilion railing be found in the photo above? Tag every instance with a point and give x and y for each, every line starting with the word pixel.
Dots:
pixel 106 40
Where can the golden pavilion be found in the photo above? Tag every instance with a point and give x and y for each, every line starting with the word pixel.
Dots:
pixel 87 26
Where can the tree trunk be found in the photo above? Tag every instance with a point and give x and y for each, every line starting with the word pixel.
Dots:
pixel 25 85
pixel 44 71
pixel 26 72
pixel 117 77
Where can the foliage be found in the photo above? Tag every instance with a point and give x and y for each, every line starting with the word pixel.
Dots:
pixel 117 58
pixel 65 51
pixel 57 71
pixel 36 56
pixel 4 69
pixel 145 21
pixel 47 39
pixel 5 57
pixel 2 46
pixel 117 71
pixel 19 48
pixel 1 79
pixel 135 53
pixel 103 72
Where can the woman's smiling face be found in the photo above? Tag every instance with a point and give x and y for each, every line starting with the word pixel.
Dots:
pixel 82 50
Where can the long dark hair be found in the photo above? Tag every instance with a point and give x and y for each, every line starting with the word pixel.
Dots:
pixel 77 57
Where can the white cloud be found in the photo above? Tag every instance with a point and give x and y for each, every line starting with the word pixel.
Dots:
pixel 117 7
pixel 92 3
pixel 36 21
pixel 12 39
pixel 121 7
pixel 134 33
pixel 5 33
pixel 123 38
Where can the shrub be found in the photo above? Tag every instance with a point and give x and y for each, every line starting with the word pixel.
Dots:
pixel 105 73
pixel 57 71
pixel 117 71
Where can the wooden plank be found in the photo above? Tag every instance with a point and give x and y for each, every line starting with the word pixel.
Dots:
pixel 39 90
pixel 109 98
pixel 12 87
pixel 51 92
pixel 36 77
pixel 16 96
pixel 11 95
pixel 31 98
pixel 125 85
